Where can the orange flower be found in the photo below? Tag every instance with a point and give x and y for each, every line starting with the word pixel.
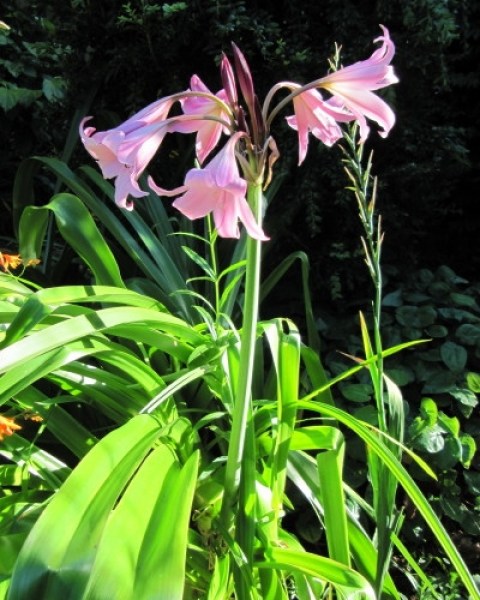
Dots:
pixel 7 427
pixel 9 261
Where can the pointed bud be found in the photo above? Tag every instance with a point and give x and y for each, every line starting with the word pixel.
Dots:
pixel 244 76
pixel 228 80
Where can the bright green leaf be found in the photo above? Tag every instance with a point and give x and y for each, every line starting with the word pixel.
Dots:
pixel 473 382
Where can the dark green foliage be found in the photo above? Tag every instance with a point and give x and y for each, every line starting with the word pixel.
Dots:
pixel 32 92
pixel 31 79
pixel 440 382
pixel 127 54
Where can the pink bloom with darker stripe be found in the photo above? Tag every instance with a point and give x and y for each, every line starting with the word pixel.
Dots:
pixel 217 189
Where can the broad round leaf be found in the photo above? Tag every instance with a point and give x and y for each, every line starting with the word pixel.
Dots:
pixel 454 356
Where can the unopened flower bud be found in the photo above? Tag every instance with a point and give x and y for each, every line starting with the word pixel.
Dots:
pixel 244 76
pixel 228 80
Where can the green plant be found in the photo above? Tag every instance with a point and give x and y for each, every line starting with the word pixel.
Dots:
pixel 30 68
pixel 185 421
pixel 438 382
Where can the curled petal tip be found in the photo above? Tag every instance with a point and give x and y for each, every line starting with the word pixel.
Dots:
pixel 354 86
pixel 124 203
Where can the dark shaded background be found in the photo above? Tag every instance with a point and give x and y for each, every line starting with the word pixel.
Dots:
pixel 110 58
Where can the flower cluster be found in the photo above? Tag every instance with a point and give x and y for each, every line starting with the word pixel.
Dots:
pixel 219 186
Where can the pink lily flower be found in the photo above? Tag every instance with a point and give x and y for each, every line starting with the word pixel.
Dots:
pixel 317 116
pixel 218 189
pixel 124 152
pixel 353 86
pixel 208 131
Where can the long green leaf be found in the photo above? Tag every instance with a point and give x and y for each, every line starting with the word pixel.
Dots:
pixel 142 550
pixel 104 294
pixel 161 565
pixel 10 285
pixel 408 484
pixel 114 571
pixel 56 559
pixel 78 228
pixel 285 348
pixel 30 314
pixel 330 468
pixel 340 576
pixel 19 376
pixel 39 463
pixel 79 327
pixel 77 438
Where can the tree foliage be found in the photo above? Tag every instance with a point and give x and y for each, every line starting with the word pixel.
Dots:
pixel 61 57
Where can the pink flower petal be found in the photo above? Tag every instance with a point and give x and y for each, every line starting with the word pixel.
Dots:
pixel 217 189
pixel 246 216
pixel 225 216
pixel 200 199
pixel 314 115
pixel 354 85
pixel 208 131
pixel 124 152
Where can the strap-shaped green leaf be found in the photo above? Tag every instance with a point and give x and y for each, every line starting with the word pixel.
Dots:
pixel 77 228
pixel 160 570
pixel 330 470
pixel 142 551
pixel 324 568
pixel 69 330
pixel 56 559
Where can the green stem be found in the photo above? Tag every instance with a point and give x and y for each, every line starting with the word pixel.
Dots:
pixel 384 483
pixel 242 406
pixel 212 241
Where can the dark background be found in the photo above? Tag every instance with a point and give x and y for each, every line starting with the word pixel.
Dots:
pixel 64 59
